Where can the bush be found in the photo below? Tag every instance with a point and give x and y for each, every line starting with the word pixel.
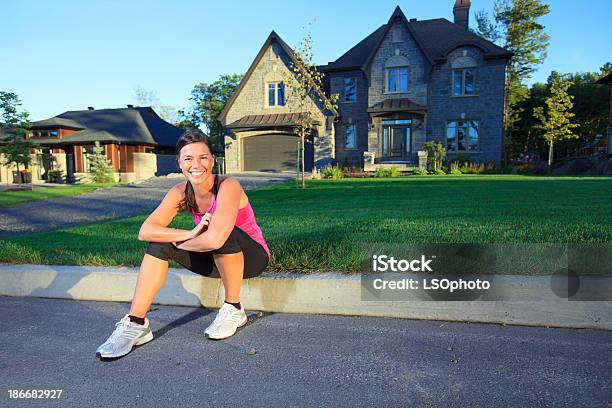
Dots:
pixel 419 172
pixel 477 168
pixel 454 168
pixel 525 168
pixel 354 172
pixel 392 171
pixel 332 173
pixel 382 172
pixel 439 172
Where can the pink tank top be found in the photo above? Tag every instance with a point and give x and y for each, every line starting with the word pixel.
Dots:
pixel 245 220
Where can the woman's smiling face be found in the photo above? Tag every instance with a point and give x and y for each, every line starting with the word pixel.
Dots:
pixel 196 162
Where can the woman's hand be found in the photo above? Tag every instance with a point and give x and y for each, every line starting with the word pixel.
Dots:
pixel 197 230
pixel 200 227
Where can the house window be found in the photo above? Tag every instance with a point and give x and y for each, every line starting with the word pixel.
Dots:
pixel 397 79
pixel 87 158
pixel 462 136
pixel 276 94
pixel 350 89
pixel 464 81
pixel 350 137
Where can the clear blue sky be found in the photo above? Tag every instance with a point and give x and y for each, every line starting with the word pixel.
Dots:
pixel 66 55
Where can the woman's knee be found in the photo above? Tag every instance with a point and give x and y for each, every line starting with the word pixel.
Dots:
pixel 160 250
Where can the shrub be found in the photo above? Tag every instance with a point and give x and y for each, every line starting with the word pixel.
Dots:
pixel 382 172
pixel 332 173
pixel 354 172
pixel 436 155
pixel 419 172
pixel 525 168
pixel 439 172
pixel 456 172
pixel 454 168
pixel 394 172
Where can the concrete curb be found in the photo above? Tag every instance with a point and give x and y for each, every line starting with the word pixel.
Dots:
pixel 323 293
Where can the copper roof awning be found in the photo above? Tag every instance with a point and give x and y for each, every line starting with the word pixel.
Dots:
pixel 396 105
pixel 270 120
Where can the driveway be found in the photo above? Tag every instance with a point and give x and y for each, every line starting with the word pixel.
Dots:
pixel 121 201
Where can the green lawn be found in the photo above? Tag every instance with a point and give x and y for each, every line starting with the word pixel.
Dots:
pixel 322 227
pixel 18 197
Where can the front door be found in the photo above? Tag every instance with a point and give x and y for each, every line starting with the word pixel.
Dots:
pixel 396 139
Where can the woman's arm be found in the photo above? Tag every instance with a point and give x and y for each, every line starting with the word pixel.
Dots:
pixel 155 228
pixel 222 222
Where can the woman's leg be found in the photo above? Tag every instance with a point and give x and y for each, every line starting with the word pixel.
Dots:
pixel 231 269
pixel 153 272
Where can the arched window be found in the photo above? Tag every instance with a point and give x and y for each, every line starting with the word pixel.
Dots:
pixel 396 74
pixel 464 76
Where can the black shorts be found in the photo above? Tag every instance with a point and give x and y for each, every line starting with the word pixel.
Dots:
pixel 255 256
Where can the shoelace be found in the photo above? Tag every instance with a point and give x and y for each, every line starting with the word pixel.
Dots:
pixel 120 327
pixel 221 316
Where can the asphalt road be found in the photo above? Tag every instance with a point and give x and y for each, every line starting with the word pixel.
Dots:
pixel 282 360
pixel 121 201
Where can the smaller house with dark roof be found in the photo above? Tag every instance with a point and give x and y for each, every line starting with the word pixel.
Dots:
pixel 406 83
pixel 137 142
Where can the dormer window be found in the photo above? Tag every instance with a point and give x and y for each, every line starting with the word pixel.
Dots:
pixel 464 75
pixel 396 74
pixel 464 81
pixel 276 94
pixel 397 79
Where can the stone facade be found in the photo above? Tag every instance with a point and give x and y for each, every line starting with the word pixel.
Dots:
pixel 273 66
pixel 486 106
pixel 430 86
pixel 425 108
pixel 352 113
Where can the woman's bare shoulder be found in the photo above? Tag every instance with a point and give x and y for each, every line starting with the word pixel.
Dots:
pixel 230 181
pixel 177 192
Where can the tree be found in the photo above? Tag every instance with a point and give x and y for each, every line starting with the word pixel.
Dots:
pixel 101 170
pixel 17 146
pixel 305 85
pixel 556 120
pixel 517 29
pixel 145 97
pixel 209 100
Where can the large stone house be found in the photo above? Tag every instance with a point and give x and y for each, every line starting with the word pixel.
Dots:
pixel 407 82
pixel 136 141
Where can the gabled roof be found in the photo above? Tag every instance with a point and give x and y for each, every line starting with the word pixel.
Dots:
pixel 126 125
pixel 272 37
pixel 436 38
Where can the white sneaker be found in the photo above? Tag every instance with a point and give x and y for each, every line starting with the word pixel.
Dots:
pixel 228 320
pixel 125 336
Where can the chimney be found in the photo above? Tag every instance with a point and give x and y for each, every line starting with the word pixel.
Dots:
pixel 90 108
pixel 130 106
pixel 461 11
